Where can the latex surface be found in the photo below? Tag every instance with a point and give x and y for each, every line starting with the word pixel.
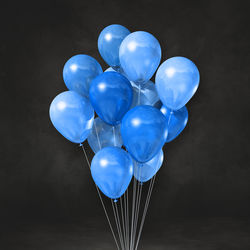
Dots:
pixel 112 171
pixel 111 96
pixel 144 132
pixel 103 135
pixel 145 171
pixel 177 121
pixel 140 55
pixel 79 71
pixel 177 79
pixel 72 115
pixel 109 42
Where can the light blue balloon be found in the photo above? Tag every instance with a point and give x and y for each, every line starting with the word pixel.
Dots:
pixel 79 71
pixel 112 171
pixel 140 55
pixel 109 42
pixel 177 79
pixel 143 172
pixel 144 132
pixel 72 115
pixel 145 95
pixel 111 96
pixel 177 121
pixel 103 135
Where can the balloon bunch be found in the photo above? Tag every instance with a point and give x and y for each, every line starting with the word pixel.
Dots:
pixel 135 116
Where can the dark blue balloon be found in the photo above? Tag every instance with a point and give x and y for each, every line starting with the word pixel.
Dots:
pixel 79 71
pixel 111 96
pixel 140 55
pixel 103 135
pixel 109 42
pixel 177 121
pixel 144 132
pixel 145 171
pixel 177 79
pixel 72 115
pixel 112 171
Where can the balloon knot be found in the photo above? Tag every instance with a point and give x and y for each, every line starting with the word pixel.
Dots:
pixel 115 200
pixel 141 183
pixel 80 145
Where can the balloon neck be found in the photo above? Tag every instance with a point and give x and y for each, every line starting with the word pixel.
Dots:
pixel 141 183
pixel 115 200
pixel 80 145
pixel 117 69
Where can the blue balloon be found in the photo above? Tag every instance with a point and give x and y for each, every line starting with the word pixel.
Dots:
pixel 144 132
pixel 145 95
pixel 103 135
pixel 140 55
pixel 111 96
pixel 79 71
pixel 109 42
pixel 145 171
pixel 177 121
pixel 72 115
pixel 177 79
pixel 112 171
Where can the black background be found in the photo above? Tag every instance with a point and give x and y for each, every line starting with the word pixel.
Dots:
pixel 44 179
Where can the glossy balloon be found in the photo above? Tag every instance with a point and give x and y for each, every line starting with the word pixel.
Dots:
pixel 177 121
pixel 79 71
pixel 146 95
pixel 72 115
pixel 111 96
pixel 177 79
pixel 140 55
pixel 109 42
pixel 103 135
pixel 112 171
pixel 145 171
pixel 144 132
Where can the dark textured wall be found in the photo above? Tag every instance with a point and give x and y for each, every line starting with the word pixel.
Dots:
pixel 206 170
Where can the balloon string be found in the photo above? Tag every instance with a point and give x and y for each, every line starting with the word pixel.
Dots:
pixel 119 224
pixel 138 206
pixel 139 95
pixel 100 197
pixel 145 209
pixel 116 221
pixel 132 213
pixel 170 115
pixel 114 136
pixel 97 134
pixel 127 216
pixel 123 224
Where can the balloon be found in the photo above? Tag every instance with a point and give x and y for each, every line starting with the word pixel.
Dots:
pixel 103 135
pixel 177 79
pixel 147 95
pixel 140 55
pixel 112 171
pixel 111 96
pixel 79 71
pixel 144 172
pixel 144 132
pixel 177 121
pixel 109 42
pixel 72 115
